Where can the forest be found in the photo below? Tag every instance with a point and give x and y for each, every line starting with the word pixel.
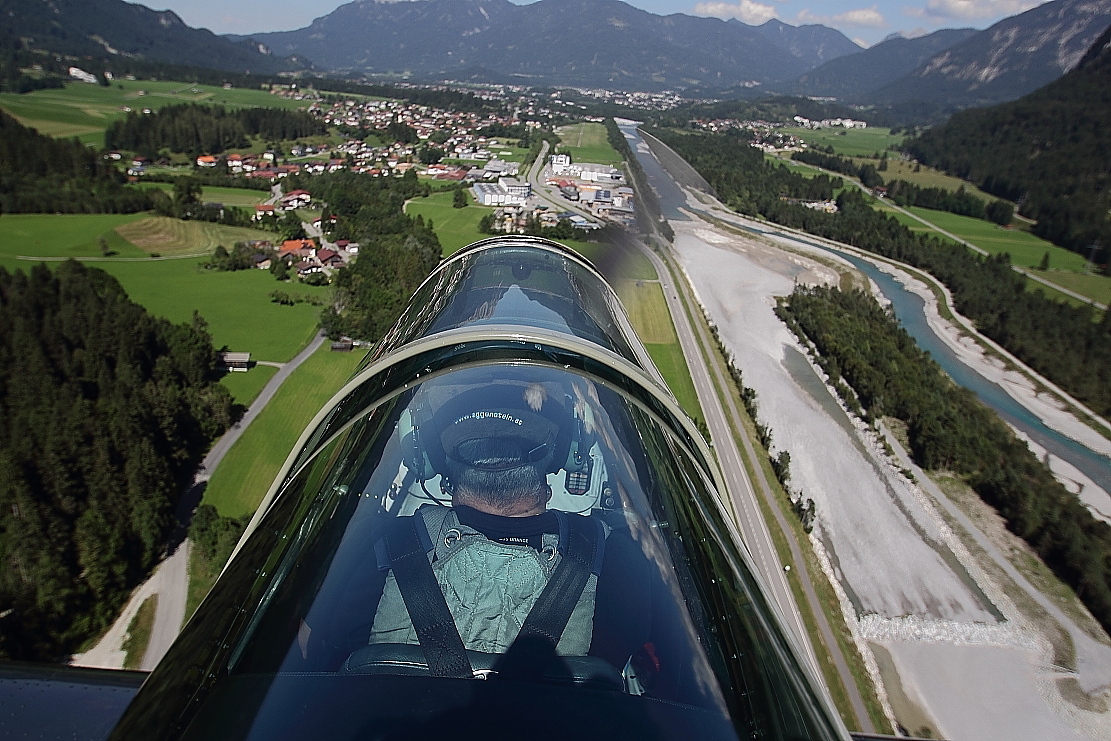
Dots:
pixel 39 174
pixel 1060 341
pixel 107 412
pixel 199 129
pixel 396 253
pixel 1047 151
pixel 860 344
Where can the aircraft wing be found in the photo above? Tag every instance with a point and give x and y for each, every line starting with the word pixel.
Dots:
pixel 63 702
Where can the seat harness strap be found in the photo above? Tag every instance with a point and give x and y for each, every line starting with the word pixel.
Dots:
pixel 549 615
pixel 439 638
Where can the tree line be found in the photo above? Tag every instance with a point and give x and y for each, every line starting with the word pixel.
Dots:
pixel 396 253
pixel 1048 151
pixel 107 412
pixel 959 201
pixel 877 368
pixel 199 129
pixel 40 174
pixel 1060 341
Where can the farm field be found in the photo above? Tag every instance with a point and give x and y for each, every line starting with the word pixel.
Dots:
pixel 243 477
pixel 648 313
pixel 85 110
pixel 244 387
pixel 1025 249
pixel 848 142
pixel 587 142
pixel 217 194
pixel 236 305
pixel 1066 268
pixel 927 177
pixel 66 235
pixel 456 227
pixel 164 236
pixel 1095 287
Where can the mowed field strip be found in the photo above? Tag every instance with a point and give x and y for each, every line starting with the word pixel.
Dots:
pixel 587 142
pixel 166 236
pixel 243 477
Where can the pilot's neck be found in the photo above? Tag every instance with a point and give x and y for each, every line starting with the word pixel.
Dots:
pixel 526 507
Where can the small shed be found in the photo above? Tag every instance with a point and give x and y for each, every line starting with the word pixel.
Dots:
pixel 234 361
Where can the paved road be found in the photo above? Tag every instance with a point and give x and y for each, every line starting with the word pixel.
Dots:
pixel 220 449
pixel 170 580
pixel 754 528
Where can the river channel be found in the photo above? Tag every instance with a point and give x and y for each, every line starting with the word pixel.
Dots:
pixel 909 310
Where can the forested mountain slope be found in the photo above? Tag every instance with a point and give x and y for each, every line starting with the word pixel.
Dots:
pixel 1008 60
pixel 853 75
pixel 1049 151
pixel 106 28
pixel 106 413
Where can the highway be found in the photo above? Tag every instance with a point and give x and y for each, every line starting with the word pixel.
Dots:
pixel 743 496
pixel 753 527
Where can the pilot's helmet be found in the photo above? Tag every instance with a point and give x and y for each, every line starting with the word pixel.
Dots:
pixel 501 430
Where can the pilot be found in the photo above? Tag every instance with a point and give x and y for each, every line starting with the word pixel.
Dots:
pixel 498 575
pixel 505 565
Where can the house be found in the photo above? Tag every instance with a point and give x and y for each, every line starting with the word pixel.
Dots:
pixel 262 261
pixel 296 199
pixel 234 361
pixel 298 247
pixel 307 267
pixel 206 160
pixel 329 259
pixel 264 210
pixel 344 344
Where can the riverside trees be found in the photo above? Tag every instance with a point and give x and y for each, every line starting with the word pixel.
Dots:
pixel 949 429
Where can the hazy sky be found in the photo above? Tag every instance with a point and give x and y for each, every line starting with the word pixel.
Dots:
pixel 863 21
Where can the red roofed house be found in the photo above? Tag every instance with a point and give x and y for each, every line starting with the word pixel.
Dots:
pixel 329 259
pixel 298 247
pixel 206 160
pixel 263 210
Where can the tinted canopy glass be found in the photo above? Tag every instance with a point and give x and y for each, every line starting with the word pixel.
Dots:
pixel 520 523
pixel 524 282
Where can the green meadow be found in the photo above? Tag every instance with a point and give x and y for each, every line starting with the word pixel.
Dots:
pixel 242 479
pixel 456 227
pixel 236 305
pixel 849 142
pixel 587 142
pixel 244 387
pixel 217 194
pixel 85 110
pixel 648 313
pixel 1024 248
pixel 67 235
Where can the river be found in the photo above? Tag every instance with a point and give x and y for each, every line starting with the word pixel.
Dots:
pixel 909 310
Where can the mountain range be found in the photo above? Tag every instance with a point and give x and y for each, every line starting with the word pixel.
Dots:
pixel 1011 58
pixel 594 43
pixel 1047 150
pixel 106 28
pixel 591 43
